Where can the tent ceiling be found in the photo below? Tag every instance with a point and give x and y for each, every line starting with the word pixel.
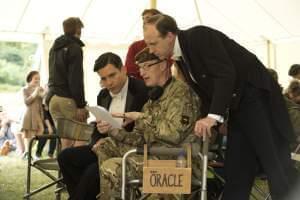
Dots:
pixel 119 21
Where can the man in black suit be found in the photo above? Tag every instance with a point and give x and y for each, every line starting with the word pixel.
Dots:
pixel 233 84
pixel 79 165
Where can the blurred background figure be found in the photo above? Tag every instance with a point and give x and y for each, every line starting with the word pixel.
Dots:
pixel 7 139
pixel 33 117
pixel 49 129
pixel 294 71
pixel 66 96
pixel 136 47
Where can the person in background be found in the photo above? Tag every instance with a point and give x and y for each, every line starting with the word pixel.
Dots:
pixel 7 138
pixel 294 71
pixel 120 93
pixel 66 96
pixel 33 117
pixel 292 100
pixel 49 130
pixel 232 84
pixel 137 46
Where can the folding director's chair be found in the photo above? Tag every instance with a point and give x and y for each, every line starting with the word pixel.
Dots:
pixel 65 128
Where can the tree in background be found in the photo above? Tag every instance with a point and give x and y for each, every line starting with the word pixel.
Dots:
pixel 15 61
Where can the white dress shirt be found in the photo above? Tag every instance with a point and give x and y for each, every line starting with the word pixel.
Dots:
pixel 118 101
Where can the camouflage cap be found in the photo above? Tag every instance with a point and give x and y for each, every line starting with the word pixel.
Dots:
pixel 144 56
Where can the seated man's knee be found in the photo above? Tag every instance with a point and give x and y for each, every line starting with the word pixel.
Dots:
pixel 64 156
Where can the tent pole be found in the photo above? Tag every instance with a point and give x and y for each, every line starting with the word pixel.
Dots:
pixel 153 4
pixel 271 54
pixel 198 12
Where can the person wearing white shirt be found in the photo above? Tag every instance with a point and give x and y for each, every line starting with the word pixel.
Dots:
pixel 120 93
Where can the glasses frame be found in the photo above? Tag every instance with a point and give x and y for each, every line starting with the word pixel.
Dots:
pixel 147 67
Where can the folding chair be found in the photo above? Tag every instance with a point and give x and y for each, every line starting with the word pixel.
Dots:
pixel 65 128
pixel 133 186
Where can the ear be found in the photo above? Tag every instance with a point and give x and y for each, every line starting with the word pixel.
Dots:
pixel 170 36
pixel 163 66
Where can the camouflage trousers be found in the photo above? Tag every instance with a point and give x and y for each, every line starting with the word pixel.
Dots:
pixel 110 154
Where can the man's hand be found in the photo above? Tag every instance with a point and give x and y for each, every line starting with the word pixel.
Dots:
pixel 128 117
pixel 203 126
pixel 103 127
pixel 81 115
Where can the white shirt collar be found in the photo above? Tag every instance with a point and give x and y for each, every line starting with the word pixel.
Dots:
pixel 123 91
pixel 177 53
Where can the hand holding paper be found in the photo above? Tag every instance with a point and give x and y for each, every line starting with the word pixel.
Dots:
pixel 103 126
pixel 102 114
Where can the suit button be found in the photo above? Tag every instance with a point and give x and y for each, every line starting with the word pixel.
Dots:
pixel 234 95
pixel 203 76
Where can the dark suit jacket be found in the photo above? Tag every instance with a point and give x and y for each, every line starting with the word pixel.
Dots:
pixel 137 96
pixel 222 68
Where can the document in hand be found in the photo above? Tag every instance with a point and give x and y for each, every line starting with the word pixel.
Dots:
pixel 102 114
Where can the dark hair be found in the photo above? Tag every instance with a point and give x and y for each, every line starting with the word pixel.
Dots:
pixel 107 58
pixel 151 11
pixel 144 56
pixel 294 70
pixel 163 23
pixel 30 75
pixel 273 73
pixel 294 88
pixel 71 24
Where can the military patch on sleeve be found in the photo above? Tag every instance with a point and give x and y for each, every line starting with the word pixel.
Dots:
pixel 185 120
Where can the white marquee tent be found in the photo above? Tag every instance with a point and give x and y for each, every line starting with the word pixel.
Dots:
pixel 270 29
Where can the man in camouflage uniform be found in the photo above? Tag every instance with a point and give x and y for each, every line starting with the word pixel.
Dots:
pixel 167 119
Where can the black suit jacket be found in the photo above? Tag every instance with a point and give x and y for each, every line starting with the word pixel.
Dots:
pixel 221 69
pixel 137 95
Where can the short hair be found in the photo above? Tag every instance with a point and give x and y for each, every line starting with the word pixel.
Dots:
pixel 163 23
pixel 71 24
pixel 144 56
pixel 151 11
pixel 30 75
pixel 294 88
pixel 107 58
pixel 294 70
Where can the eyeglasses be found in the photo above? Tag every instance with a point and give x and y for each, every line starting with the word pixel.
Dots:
pixel 147 67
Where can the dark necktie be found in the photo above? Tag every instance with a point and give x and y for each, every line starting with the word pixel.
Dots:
pixel 186 72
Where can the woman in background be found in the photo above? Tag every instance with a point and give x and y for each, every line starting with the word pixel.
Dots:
pixel 33 117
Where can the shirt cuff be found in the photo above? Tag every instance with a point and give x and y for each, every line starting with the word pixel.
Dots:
pixel 219 118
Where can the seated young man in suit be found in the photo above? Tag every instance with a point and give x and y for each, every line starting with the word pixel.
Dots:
pixel 120 93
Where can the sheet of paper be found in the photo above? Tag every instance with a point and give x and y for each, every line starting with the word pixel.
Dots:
pixel 102 114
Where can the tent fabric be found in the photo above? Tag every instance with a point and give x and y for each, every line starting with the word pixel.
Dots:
pixel 270 29
pixel 117 21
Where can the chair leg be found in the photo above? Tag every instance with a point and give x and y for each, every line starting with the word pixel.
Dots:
pixel 29 164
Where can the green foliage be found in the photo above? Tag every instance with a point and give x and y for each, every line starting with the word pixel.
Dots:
pixel 15 61
pixel 9 88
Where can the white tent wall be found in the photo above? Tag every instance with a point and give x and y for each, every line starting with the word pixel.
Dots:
pixel 112 25
pixel 287 53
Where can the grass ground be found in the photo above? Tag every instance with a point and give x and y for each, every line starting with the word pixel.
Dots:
pixel 13 180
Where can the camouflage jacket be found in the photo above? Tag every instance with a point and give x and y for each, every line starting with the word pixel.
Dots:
pixel 168 121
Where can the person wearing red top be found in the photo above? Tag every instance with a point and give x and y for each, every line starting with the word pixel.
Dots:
pixel 136 47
